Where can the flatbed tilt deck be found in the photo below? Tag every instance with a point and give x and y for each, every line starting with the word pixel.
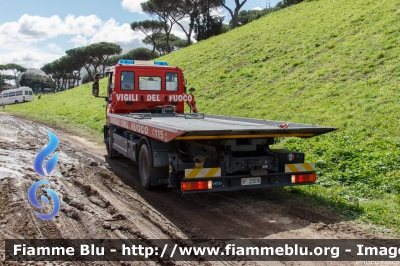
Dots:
pixel 198 152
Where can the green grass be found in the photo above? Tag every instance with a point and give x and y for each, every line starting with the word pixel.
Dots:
pixel 328 62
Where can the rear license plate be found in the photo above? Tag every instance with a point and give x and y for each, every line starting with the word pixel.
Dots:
pixel 251 181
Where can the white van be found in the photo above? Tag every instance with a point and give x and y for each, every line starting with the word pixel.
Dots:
pixel 19 95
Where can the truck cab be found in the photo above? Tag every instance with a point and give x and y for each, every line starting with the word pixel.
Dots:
pixel 146 87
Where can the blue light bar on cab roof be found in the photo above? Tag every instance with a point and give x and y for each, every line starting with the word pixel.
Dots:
pixel 125 61
pixel 160 63
pixel 132 62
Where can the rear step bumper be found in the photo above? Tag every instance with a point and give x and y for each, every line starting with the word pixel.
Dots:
pixel 246 182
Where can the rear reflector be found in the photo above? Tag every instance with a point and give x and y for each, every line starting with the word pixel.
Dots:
pixel 196 185
pixel 304 178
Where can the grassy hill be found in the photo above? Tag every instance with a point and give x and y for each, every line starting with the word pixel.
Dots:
pixel 328 62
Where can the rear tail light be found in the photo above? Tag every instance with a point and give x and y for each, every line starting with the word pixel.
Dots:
pixel 304 178
pixel 23 98
pixel 196 185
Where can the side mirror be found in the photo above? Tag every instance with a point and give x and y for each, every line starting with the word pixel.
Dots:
pixel 95 89
pixel 191 90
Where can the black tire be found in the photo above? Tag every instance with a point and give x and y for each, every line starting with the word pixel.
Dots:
pixel 111 153
pixel 145 166
pixel 16 101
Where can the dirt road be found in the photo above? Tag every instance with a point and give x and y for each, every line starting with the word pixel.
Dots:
pixel 103 198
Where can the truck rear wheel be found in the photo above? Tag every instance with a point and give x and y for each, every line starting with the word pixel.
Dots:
pixel 145 166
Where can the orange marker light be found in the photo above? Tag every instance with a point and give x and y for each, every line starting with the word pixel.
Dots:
pixel 196 185
pixel 304 178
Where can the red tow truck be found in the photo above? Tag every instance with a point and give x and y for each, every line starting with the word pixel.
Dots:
pixel 195 151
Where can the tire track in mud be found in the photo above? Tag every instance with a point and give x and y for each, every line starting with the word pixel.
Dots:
pixel 120 223
pixel 139 221
pixel 70 228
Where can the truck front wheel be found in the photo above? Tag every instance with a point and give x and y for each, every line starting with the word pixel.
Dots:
pixel 145 166
pixel 111 153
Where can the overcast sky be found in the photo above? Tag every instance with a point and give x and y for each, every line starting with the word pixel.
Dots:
pixel 36 32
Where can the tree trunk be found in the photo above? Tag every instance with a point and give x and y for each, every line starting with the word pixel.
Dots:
pixel 234 18
pixel 167 48
pixel 87 67
pixel 154 46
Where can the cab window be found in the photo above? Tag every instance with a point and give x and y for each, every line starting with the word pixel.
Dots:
pixel 127 81
pixel 149 83
pixel 30 93
pixel 171 81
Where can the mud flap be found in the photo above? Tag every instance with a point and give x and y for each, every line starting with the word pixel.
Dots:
pixel 160 176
